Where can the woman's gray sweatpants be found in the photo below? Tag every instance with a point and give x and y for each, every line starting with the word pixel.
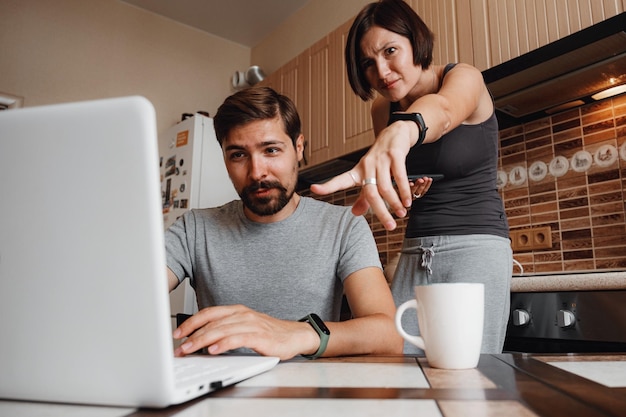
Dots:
pixel 465 258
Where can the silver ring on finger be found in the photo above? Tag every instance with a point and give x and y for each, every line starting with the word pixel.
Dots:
pixel 353 178
pixel 368 181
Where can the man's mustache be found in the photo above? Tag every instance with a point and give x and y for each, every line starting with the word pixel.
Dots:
pixel 264 185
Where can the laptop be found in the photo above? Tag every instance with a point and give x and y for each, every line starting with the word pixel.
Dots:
pixel 84 306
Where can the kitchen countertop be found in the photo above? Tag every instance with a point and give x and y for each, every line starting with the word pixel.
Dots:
pixel 575 281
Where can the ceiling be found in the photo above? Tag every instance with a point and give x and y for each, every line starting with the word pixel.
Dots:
pixel 245 22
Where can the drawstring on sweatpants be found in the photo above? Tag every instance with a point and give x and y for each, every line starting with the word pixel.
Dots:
pixel 427 258
pixel 426 254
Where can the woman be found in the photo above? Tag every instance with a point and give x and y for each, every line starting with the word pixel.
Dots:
pixel 429 119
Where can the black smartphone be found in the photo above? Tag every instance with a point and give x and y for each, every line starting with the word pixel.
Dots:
pixel 413 177
pixel 435 177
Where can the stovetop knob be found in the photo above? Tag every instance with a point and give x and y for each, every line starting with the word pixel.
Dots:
pixel 521 317
pixel 565 318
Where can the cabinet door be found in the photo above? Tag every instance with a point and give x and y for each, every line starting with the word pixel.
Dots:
pixel 318 102
pixel 350 120
pixel 293 84
pixel 441 17
pixel 472 33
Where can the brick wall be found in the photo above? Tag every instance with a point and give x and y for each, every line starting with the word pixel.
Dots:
pixel 583 202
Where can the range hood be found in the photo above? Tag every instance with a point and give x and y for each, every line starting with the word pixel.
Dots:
pixel 561 75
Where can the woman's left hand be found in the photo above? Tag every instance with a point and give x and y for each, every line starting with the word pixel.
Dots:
pixel 420 186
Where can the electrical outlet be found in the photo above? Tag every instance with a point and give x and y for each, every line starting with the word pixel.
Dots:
pixel 531 239
pixel 542 237
pixel 520 240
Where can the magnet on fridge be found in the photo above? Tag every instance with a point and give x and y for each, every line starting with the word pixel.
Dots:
pixel 170 166
pixel 182 187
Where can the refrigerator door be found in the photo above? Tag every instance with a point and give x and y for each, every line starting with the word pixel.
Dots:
pixel 214 187
pixel 193 175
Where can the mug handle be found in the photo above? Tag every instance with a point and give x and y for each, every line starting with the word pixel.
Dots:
pixel 415 340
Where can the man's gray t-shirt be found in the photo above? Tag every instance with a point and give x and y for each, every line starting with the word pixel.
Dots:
pixel 285 269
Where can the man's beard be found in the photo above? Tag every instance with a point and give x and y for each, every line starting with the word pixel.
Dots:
pixel 265 206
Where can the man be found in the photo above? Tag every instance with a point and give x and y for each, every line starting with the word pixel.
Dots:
pixel 261 264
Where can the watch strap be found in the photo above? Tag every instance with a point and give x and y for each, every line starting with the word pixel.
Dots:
pixel 413 117
pixel 318 325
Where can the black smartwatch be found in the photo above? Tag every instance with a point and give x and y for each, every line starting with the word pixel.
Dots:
pixel 413 117
pixel 321 329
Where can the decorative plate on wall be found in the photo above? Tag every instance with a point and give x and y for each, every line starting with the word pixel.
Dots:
pixel 605 155
pixel 581 161
pixel 559 166
pixel 518 175
pixel 537 171
pixel 622 151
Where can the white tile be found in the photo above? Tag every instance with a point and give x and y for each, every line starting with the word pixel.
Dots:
pixel 378 375
pixel 272 407
pixel 609 373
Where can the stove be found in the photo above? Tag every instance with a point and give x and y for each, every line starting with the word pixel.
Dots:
pixel 567 322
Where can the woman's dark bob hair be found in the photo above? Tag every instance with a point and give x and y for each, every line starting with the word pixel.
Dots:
pixel 395 16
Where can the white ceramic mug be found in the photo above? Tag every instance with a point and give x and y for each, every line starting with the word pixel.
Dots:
pixel 450 318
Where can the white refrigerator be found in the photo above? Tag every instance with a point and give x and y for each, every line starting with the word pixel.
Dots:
pixel 193 175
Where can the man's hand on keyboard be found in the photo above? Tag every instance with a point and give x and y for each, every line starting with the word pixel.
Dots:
pixel 224 328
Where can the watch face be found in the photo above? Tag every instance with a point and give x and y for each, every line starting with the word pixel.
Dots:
pixel 413 117
pixel 406 116
pixel 320 324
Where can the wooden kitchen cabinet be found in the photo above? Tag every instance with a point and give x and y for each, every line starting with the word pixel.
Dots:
pixel 335 121
pixel 494 31
pixel 287 80
pixel 293 80
pixel 442 18
pixel 350 119
pixel 486 33
pixel 339 120
pixel 294 84
pixel 318 101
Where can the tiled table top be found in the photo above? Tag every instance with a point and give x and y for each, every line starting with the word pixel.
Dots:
pixel 511 385
pixel 341 374
pixel 606 370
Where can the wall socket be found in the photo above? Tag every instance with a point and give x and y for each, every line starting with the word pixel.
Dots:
pixel 531 239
